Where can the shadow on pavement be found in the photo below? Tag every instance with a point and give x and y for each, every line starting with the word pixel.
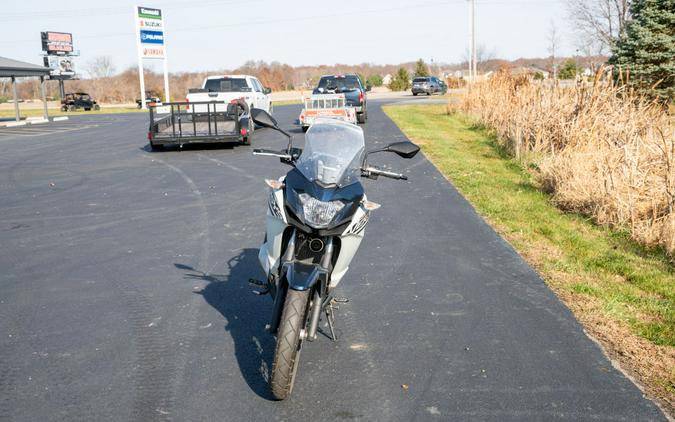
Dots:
pixel 195 147
pixel 246 315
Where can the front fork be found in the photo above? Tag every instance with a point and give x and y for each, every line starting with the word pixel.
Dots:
pixel 320 297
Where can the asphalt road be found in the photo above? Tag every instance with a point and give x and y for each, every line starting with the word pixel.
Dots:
pixel 124 295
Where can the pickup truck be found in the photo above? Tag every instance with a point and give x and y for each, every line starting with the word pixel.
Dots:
pixel 352 88
pixel 230 88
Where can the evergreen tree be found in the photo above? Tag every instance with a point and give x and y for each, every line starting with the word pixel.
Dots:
pixel 401 80
pixel 568 69
pixel 421 68
pixel 647 51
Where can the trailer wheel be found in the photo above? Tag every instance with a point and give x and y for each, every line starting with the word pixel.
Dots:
pixel 246 140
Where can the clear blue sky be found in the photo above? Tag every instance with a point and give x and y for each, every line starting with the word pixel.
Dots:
pixel 218 34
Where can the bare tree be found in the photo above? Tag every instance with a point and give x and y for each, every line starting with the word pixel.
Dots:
pixel 483 55
pixel 100 67
pixel 599 22
pixel 553 44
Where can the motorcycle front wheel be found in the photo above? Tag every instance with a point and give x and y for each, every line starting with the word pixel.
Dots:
pixel 287 353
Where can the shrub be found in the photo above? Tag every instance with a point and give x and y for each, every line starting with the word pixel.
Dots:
pixel 374 80
pixel 568 70
pixel 600 149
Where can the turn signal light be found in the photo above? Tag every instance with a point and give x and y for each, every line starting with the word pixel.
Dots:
pixel 243 131
pixel 371 206
pixel 274 184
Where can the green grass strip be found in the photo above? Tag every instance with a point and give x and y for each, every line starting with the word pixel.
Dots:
pixel 630 283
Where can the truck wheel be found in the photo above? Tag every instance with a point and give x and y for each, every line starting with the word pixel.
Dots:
pixel 97 107
pixel 361 117
pixel 414 94
pixel 287 353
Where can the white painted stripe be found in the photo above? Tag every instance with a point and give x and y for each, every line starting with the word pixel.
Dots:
pixel 12 124
pixel 59 118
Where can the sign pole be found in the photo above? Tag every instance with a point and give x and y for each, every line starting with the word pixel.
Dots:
pixel 140 58
pixel 167 96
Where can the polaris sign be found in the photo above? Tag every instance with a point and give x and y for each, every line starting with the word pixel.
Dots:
pixel 152 37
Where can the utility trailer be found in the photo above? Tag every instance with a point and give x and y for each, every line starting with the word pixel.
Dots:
pixel 181 123
pixel 332 106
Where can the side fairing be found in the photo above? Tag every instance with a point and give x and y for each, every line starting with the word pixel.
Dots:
pixel 276 222
pixel 350 240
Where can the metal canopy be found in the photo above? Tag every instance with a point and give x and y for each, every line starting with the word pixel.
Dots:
pixel 10 68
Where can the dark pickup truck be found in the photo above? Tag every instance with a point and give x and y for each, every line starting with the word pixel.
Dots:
pixel 178 123
pixel 353 89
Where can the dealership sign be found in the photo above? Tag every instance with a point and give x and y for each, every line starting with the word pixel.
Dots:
pixel 57 42
pixel 150 26
pixel 60 65
pixel 151 44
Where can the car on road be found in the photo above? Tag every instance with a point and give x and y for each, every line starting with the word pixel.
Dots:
pixel 78 100
pixel 150 97
pixel 226 89
pixel 428 85
pixel 353 89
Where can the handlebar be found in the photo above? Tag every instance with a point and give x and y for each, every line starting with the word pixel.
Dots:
pixel 374 172
pixel 272 153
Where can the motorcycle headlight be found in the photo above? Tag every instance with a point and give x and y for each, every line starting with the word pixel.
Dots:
pixel 317 213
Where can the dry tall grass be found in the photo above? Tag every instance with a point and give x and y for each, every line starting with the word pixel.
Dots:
pixel 600 149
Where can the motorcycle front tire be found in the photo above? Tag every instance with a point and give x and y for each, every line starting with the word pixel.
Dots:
pixel 287 353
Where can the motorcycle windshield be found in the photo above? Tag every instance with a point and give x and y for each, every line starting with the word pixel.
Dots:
pixel 333 153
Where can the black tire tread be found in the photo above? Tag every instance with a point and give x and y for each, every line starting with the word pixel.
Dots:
pixel 288 343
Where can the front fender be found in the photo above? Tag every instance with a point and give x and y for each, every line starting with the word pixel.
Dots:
pixel 303 276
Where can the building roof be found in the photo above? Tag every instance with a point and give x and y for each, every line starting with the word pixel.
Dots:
pixel 10 67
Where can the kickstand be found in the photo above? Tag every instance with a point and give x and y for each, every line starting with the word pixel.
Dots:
pixel 330 318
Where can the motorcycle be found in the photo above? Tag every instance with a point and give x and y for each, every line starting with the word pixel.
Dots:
pixel 316 218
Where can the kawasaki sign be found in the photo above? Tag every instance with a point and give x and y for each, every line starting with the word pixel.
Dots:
pixel 146 12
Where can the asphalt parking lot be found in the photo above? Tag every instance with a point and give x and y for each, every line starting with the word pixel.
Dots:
pixel 124 295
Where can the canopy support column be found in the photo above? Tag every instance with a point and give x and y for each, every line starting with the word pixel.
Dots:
pixel 16 100
pixel 44 98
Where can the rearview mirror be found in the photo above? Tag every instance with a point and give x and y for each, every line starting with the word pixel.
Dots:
pixel 263 118
pixel 369 88
pixel 267 91
pixel 404 149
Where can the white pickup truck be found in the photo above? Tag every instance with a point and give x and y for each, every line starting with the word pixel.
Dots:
pixel 227 88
